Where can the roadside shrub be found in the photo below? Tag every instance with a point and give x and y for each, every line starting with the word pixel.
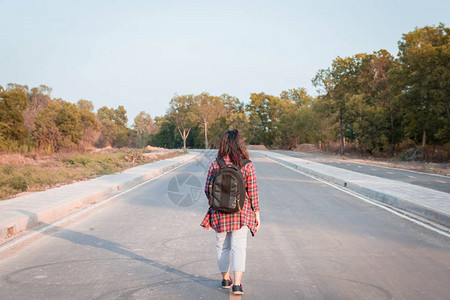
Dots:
pixel 17 183
pixel 412 154
pixel 134 156
pixel 7 170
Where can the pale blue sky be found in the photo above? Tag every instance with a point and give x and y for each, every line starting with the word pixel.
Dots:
pixel 140 53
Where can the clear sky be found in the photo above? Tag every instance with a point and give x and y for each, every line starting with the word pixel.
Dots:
pixel 140 53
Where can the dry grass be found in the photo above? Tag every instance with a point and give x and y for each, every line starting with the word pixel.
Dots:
pixel 256 147
pixel 19 173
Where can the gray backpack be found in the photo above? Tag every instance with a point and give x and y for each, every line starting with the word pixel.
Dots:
pixel 227 188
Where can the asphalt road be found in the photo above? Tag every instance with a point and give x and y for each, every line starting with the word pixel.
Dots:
pixel 435 182
pixel 315 242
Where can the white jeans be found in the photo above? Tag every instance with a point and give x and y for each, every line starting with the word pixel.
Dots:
pixel 232 244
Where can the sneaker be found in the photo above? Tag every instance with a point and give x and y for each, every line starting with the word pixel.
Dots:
pixel 227 283
pixel 237 289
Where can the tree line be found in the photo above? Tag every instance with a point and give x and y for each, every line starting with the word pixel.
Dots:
pixel 375 103
pixel 30 120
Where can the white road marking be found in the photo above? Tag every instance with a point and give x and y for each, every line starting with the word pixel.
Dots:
pixel 391 168
pixel 370 201
pixel 405 170
pixel 10 243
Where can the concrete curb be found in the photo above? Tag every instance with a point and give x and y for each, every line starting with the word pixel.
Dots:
pixel 23 213
pixel 401 195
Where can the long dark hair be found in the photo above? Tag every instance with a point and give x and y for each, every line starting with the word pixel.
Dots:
pixel 233 146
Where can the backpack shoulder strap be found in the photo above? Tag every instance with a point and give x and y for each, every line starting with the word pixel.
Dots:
pixel 244 162
pixel 221 162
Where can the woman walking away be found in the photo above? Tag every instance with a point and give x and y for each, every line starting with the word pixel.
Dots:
pixel 232 193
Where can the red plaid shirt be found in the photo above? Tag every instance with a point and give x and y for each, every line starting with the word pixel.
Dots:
pixel 220 221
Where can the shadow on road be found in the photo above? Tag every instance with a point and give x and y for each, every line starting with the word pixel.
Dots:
pixel 92 241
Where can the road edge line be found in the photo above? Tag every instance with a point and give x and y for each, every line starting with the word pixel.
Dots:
pixel 429 224
pixel 75 212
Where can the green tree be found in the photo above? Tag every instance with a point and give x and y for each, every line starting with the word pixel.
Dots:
pixel 235 112
pixel 209 108
pixel 38 100
pixel 46 133
pixel 293 110
pixel 114 131
pixel 234 117
pixel 310 125
pixel 144 126
pixel 326 121
pixel 338 84
pixel 298 96
pixel 85 105
pixel 58 126
pixel 369 125
pixel 89 123
pixel 182 114
pixel 165 134
pixel 264 113
pixel 13 101
pixel 69 121
pixel 424 55
pixel 373 109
